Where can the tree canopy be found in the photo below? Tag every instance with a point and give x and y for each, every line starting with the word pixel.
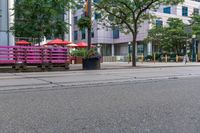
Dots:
pixel 128 15
pixel 170 38
pixel 195 25
pixel 39 18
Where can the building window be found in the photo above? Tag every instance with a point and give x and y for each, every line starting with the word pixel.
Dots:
pixel 75 35
pixel 97 16
pixel 115 33
pixel 96 1
pixel 184 11
pixel 92 34
pixel 140 49
pixel 167 10
pixel 75 20
pixel 159 23
pixel 83 33
pixel 196 11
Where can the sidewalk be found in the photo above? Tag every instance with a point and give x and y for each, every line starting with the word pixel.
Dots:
pixel 126 65
pixel 110 65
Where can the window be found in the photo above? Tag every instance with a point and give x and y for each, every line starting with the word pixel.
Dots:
pixel 159 23
pixel 96 1
pixel 92 34
pixel 83 33
pixel 167 10
pixel 140 49
pixel 184 11
pixel 75 20
pixel 115 33
pixel 196 11
pixel 97 16
pixel 75 35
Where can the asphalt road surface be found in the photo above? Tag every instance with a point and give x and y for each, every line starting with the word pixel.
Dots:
pixel 148 100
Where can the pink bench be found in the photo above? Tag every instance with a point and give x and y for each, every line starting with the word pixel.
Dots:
pixel 31 55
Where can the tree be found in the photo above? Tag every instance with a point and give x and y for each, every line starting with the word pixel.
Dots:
pixel 128 15
pixel 195 25
pixel 39 18
pixel 172 37
pixel 156 35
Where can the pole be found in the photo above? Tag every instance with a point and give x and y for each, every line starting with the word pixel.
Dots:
pixel 193 48
pixel 89 14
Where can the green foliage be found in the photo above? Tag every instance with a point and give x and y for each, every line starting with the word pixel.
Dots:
pixel 195 24
pixel 79 52
pixel 172 38
pixel 84 22
pixel 38 18
pixel 148 58
pixel 92 53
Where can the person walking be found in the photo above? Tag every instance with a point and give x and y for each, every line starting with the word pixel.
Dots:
pixel 186 59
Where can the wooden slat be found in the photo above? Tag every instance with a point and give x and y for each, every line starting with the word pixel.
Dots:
pixel 32 55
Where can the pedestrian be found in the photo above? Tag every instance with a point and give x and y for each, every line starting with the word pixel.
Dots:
pixel 186 59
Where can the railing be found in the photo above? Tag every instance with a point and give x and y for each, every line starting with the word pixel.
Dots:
pixel 30 55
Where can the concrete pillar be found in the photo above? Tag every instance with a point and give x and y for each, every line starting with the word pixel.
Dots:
pixel 6 21
pixel 11 36
pixel 99 48
pixel 68 19
pixel 113 50
pixel 149 48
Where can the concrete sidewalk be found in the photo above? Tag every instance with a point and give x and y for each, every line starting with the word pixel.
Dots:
pixel 125 65
pixel 109 66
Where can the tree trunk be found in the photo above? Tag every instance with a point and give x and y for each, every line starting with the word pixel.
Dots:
pixel 89 28
pixel 134 42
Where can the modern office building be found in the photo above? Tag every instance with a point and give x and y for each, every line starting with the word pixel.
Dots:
pixel 114 43
pixel 6 20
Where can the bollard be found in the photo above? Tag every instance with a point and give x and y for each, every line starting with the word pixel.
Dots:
pixel 154 58
pixel 196 58
pixel 142 58
pixel 166 58
pixel 177 58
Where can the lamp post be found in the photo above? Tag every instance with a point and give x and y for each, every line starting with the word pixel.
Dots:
pixel 193 48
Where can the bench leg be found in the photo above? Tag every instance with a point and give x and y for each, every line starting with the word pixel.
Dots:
pixel 49 67
pixel 66 66
pixel 17 67
pixel 24 66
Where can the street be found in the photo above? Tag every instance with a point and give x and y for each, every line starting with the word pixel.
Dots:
pixel 142 100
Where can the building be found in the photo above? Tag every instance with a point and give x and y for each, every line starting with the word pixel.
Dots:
pixel 114 43
pixel 6 20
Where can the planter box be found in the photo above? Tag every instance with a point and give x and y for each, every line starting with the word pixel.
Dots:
pixel 92 64
pixel 78 60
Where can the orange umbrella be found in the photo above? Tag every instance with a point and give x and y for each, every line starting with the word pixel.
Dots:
pixel 58 42
pixel 22 42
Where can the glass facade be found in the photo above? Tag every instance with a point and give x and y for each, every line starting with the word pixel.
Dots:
pixel 167 10
pixel 75 35
pixel 115 33
pixel 184 11
pixel 83 34
pixel 159 23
